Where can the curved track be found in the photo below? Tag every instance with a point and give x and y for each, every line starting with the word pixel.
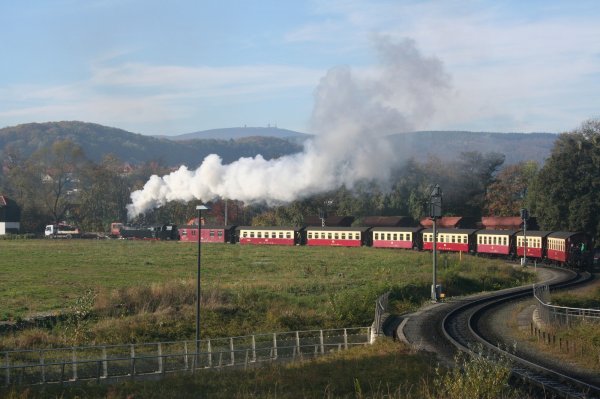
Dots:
pixel 460 327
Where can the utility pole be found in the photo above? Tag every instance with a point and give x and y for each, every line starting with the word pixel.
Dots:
pixel 435 212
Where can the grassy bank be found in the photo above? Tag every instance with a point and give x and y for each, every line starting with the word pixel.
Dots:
pixel 385 370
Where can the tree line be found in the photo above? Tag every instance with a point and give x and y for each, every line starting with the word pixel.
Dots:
pixel 58 183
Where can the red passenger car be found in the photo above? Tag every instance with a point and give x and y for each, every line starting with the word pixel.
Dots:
pixel 496 242
pixel 566 247
pixel 268 235
pixel 396 237
pixel 456 240
pixel 536 243
pixel 215 234
pixel 337 236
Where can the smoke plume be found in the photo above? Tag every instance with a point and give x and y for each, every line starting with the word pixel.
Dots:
pixel 353 112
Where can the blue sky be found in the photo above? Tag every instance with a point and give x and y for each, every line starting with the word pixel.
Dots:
pixel 158 67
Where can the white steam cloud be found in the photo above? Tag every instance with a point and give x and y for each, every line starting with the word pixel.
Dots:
pixel 352 114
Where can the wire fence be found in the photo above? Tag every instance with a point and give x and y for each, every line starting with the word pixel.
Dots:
pixel 103 363
pixel 560 315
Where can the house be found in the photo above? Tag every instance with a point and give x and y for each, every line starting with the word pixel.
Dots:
pixel 10 216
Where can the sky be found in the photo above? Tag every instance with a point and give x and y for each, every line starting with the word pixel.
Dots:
pixel 167 68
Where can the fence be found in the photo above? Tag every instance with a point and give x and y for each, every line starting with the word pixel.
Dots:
pixel 560 315
pixel 62 365
pixel 381 310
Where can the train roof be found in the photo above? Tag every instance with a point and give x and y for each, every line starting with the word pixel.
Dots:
pixel 388 221
pixel 564 234
pixel 497 232
pixel 332 220
pixel 204 226
pixel 268 228
pixel 450 230
pixel 330 228
pixel 533 233
pixel 401 229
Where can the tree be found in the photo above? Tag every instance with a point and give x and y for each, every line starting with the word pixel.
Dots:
pixel 104 194
pixel 57 167
pixel 508 193
pixel 566 192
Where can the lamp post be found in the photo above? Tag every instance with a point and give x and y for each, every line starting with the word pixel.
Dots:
pixel 435 212
pixel 199 208
pixel 524 217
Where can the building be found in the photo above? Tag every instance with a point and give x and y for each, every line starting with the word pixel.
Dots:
pixel 10 216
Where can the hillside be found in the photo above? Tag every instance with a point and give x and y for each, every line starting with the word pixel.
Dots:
pixel 98 141
pixel 239 132
pixel 446 145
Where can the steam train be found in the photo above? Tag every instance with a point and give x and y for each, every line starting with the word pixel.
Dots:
pixel 570 249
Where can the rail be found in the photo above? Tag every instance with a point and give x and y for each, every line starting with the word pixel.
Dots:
pixel 561 315
pixel 108 362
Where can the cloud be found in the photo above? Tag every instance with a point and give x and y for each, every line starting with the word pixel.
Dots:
pixel 129 94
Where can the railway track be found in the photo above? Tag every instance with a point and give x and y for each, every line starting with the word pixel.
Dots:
pixel 462 327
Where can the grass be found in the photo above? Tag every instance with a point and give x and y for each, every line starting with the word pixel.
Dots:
pixel 135 291
pixel 583 337
pixel 384 370
pixel 139 291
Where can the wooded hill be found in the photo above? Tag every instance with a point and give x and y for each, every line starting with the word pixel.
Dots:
pixel 98 141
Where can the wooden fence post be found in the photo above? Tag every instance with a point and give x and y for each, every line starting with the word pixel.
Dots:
pixel 105 362
pixel 132 360
pixel 253 349
pixel 185 357
pixel 231 351
pixel 7 361
pixel 42 367
pixel 209 350
pixel 321 342
pixel 345 338
pixel 74 365
pixel 160 358
pixel 274 345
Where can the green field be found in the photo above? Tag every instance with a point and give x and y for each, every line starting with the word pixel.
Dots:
pixel 142 290
pixel 111 291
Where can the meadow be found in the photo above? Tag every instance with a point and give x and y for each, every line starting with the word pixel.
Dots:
pixel 115 291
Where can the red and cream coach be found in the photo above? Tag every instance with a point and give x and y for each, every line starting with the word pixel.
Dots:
pixel 455 240
pixel 268 235
pixel 396 237
pixel 337 236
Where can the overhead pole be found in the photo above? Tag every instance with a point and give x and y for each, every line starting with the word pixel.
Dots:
pixel 435 212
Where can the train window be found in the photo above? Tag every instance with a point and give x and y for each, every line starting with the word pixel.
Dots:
pixel 211 233
pixel 376 236
pixel 343 236
pixel 288 235
pixel 258 234
pixel 309 235
pixel 336 236
pixel 219 233
pixel 251 234
pixel 395 236
pixel 329 236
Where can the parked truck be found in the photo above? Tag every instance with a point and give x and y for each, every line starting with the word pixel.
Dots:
pixel 62 230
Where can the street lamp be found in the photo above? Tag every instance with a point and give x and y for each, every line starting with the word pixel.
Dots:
pixel 435 212
pixel 524 217
pixel 199 208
